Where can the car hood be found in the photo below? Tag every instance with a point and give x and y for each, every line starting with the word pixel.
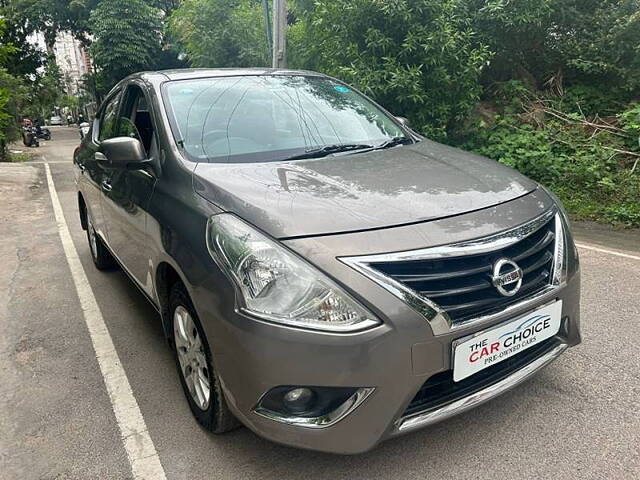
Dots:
pixel 346 193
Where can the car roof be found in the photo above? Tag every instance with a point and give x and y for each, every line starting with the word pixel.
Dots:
pixel 191 73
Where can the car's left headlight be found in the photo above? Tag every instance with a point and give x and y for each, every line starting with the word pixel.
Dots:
pixel 278 286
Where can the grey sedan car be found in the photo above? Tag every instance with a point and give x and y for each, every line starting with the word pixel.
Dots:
pixel 326 276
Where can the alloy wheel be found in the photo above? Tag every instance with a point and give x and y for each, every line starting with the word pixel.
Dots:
pixel 193 361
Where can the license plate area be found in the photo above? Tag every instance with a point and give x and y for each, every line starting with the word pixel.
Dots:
pixel 484 349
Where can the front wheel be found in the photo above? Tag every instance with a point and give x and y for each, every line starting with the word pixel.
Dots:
pixel 198 377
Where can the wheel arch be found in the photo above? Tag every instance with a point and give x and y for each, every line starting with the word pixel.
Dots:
pixel 166 277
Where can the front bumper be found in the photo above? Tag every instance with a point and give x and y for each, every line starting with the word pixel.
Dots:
pixel 395 358
pixel 266 357
pixel 482 395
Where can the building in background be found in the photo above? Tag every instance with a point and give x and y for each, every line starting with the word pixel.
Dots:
pixel 73 61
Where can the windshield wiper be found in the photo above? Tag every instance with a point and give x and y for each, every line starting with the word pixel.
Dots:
pixel 329 149
pixel 393 142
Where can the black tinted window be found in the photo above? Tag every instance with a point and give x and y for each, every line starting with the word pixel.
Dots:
pixel 109 119
pixel 135 119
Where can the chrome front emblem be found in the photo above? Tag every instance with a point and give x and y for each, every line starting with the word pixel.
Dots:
pixel 507 273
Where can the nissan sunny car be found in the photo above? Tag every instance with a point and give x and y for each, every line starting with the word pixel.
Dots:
pixel 325 276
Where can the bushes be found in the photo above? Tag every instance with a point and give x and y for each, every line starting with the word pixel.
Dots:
pixel 591 162
pixel 560 91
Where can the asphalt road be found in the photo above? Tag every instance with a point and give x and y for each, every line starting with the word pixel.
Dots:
pixel 579 418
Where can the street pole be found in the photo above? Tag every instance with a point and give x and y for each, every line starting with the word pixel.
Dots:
pixel 267 24
pixel 279 34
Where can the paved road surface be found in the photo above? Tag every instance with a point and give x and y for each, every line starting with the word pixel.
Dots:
pixel 579 418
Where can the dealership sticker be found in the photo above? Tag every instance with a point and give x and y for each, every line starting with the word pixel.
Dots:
pixel 493 346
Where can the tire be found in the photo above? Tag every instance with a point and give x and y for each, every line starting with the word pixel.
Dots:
pixel 102 258
pixel 192 354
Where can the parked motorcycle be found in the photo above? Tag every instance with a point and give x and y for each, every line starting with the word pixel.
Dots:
pixel 30 137
pixel 43 133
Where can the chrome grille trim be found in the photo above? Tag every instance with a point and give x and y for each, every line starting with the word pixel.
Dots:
pixel 419 420
pixel 437 317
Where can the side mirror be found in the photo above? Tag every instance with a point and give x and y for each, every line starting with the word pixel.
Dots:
pixel 124 152
pixel 404 121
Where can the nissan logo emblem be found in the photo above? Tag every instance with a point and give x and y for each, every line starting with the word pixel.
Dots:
pixel 506 277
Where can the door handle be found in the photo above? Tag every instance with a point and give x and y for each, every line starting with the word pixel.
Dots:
pixel 106 186
pixel 100 157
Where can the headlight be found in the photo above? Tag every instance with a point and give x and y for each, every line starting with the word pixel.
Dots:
pixel 560 255
pixel 562 239
pixel 278 286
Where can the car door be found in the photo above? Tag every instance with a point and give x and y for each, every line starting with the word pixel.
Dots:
pixel 92 172
pixel 126 193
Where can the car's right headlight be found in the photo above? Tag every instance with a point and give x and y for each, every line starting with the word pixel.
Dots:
pixel 278 286
pixel 561 257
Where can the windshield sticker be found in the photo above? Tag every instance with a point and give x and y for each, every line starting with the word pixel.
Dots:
pixel 341 89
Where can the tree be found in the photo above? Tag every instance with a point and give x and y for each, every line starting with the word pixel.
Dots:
pixel 11 93
pixel 48 17
pixel 46 91
pixel 419 58
pixel 588 41
pixel 224 33
pixel 128 38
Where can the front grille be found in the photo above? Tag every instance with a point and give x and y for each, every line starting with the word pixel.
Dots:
pixel 440 389
pixel 461 285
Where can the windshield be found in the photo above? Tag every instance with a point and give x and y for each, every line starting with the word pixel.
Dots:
pixel 269 118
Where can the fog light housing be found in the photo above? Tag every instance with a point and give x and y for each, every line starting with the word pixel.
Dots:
pixel 307 406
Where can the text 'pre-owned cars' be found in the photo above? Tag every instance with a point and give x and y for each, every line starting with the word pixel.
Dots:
pixel 326 276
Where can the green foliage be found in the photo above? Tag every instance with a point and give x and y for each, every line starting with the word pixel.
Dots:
pixel 578 40
pixel 47 17
pixel 600 43
pixel 19 157
pixel 630 123
pixel 46 92
pixel 11 93
pixel 127 38
pixel 6 119
pixel 591 100
pixel 587 161
pixel 224 33
pixel 419 58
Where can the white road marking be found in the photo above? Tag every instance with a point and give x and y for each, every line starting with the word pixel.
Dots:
pixel 28 162
pixel 144 460
pixel 608 252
